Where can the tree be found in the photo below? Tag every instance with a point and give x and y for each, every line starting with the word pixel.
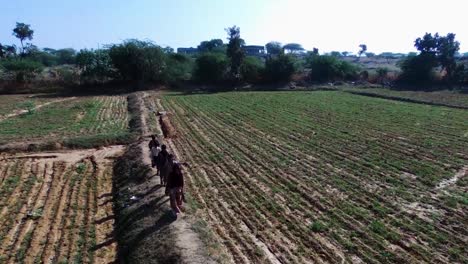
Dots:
pixel 65 56
pixel 418 69
pixel 293 48
pixel 370 54
pixel 280 68
pixel 335 54
pixel 274 48
pixel 138 60
pixel 442 49
pixel 234 51
pixel 362 50
pixel 329 68
pixel 211 45
pixel 22 32
pixel 95 64
pixel 251 69
pixel 346 53
pixel 211 67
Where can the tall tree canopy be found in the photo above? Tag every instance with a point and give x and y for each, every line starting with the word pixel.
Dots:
pixel 210 45
pixel 234 51
pixel 293 47
pixel 362 50
pixel 274 48
pixel 23 31
pixel 441 48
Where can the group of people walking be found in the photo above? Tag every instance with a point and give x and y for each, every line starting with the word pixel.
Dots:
pixel 170 173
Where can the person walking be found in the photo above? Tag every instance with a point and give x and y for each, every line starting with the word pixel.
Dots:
pixel 155 150
pixel 153 142
pixel 175 184
pixel 162 162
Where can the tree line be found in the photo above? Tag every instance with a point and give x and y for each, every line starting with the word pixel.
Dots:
pixel 227 63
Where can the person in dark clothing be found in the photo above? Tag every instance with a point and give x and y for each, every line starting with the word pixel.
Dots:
pixel 162 164
pixel 175 184
pixel 153 142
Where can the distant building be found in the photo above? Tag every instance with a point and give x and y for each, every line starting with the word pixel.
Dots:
pixel 253 50
pixel 188 51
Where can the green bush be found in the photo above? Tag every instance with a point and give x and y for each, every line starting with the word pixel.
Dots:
pixel 24 69
pixel 252 69
pixel 95 64
pixel 137 60
pixel 418 69
pixel 280 68
pixel 330 68
pixel 211 67
pixel 179 67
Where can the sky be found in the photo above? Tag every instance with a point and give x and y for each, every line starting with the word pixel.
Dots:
pixel 329 25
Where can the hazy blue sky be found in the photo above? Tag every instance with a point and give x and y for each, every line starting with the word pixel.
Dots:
pixel 326 24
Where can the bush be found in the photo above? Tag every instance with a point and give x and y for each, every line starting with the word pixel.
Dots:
pixel 24 69
pixel 179 67
pixel 137 60
pixel 280 68
pixel 211 67
pixel 252 69
pixel 95 64
pixel 418 69
pixel 330 68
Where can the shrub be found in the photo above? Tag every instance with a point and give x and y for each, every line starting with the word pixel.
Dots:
pixel 418 69
pixel 330 68
pixel 24 69
pixel 211 67
pixel 137 60
pixel 95 64
pixel 252 69
pixel 280 68
pixel 179 67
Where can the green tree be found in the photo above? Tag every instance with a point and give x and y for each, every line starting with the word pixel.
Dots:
pixel 293 48
pixel 65 56
pixel 362 50
pixel 274 48
pixel 335 54
pixel 95 64
pixel 211 45
pixel 442 49
pixel 330 68
pixel 234 51
pixel 252 69
pixel 211 67
pixel 280 68
pixel 139 61
pixel 418 69
pixel 22 32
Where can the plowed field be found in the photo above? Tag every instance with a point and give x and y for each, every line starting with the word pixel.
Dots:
pixel 57 207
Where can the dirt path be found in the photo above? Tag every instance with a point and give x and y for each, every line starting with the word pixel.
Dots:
pixel 23 111
pixel 186 240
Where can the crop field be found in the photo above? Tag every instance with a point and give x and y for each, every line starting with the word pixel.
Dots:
pixel 328 176
pixel 57 207
pixel 447 98
pixel 10 103
pixel 102 115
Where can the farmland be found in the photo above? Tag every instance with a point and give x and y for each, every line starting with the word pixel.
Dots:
pixel 57 207
pixel 297 177
pixel 68 118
